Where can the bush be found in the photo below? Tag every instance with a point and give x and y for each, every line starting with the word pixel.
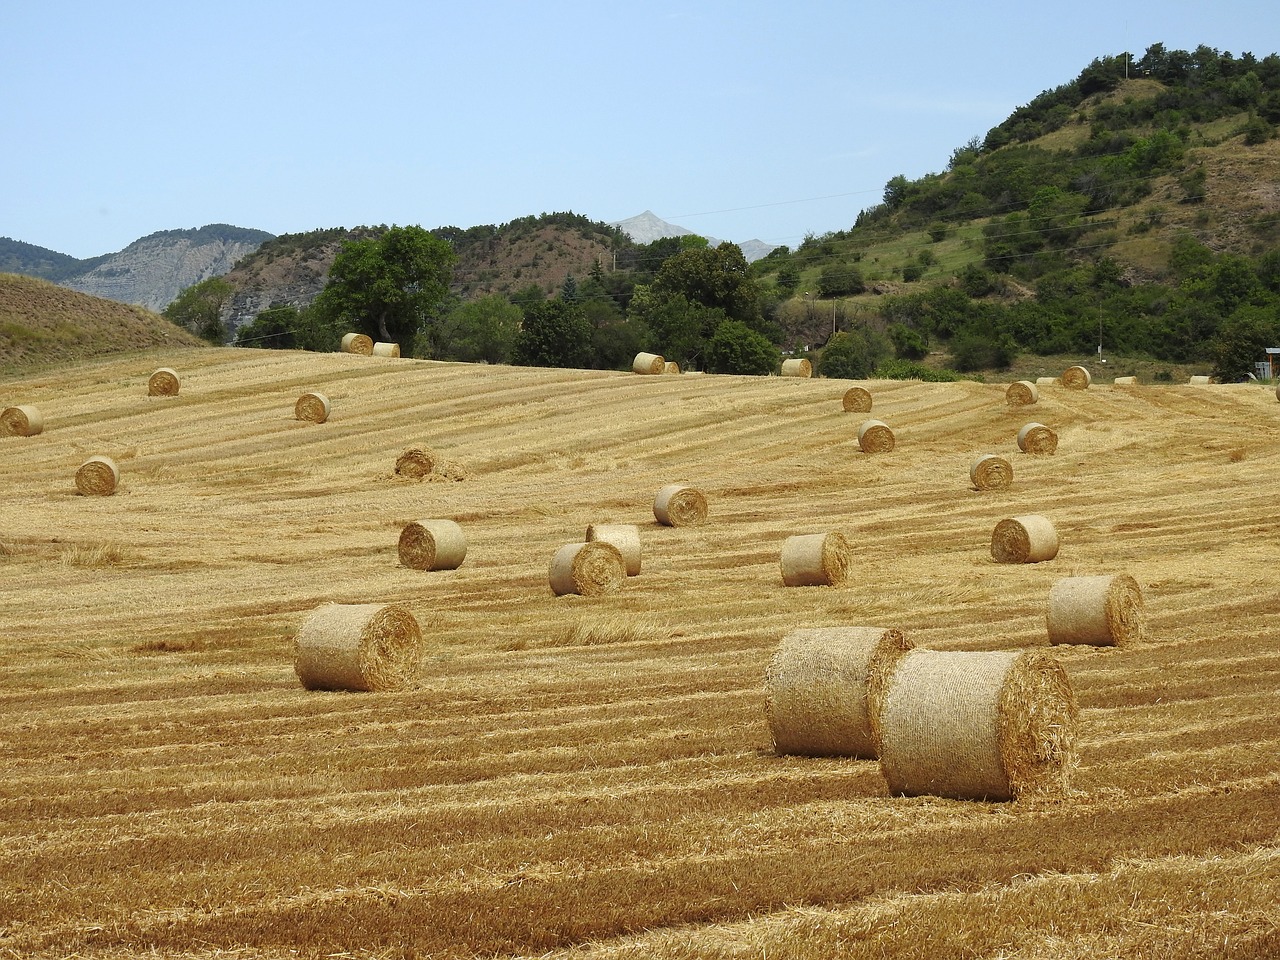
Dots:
pixel 736 348
pixel 907 370
pixel 908 344
pixel 971 350
pixel 853 355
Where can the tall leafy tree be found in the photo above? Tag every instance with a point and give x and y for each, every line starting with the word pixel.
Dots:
pixel 555 333
pixel 199 308
pixel 391 286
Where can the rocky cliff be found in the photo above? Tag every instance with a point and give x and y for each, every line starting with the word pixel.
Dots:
pixel 152 271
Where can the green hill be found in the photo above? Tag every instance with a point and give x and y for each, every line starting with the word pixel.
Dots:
pixel 42 323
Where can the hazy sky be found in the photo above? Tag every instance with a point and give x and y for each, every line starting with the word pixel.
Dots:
pixel 738 120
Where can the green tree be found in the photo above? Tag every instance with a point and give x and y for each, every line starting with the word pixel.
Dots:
pixel 555 333
pixel 199 308
pixel 713 278
pixel 853 355
pixel 1241 341
pixel 390 286
pixel 736 348
pixel 272 329
pixel 484 330
pixel 841 280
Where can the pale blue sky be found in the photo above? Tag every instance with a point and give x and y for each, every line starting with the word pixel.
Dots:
pixel 739 120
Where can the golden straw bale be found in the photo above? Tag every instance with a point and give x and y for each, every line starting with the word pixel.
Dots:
pixel 624 536
pixel 358 646
pixel 357 343
pixel 857 400
pixel 164 383
pixel 670 366
pixel 1026 539
pixel 416 462
pixel 21 421
pixel 312 407
pixel 677 505
pixel 1037 438
pixel 1199 381
pixel 797 367
pixel 386 349
pixel 874 436
pixel 1101 611
pixel 433 545
pixel 588 569
pixel 1021 393
pixel 648 363
pixel 97 477
pixel 816 560
pixel 990 472
pixel 1046 381
pixel 823 689
pixel 996 725
pixel 1126 381
pixel 1076 378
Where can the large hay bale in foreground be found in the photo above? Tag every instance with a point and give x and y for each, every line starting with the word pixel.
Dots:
pixel 1027 539
pixel 990 472
pixel 1037 438
pixel 1199 381
pixel 21 421
pixel 416 462
pixel 624 536
pixel 816 560
pixel 358 646
pixel 381 349
pixel 823 689
pixel 1076 378
pixel 648 363
pixel 588 569
pixel 874 436
pixel 357 343
pixel 97 477
pixel 678 505
pixel 164 383
pixel 797 367
pixel 432 545
pixel 1101 611
pixel 1021 393
pixel 312 407
pixel 857 400
pixel 977 725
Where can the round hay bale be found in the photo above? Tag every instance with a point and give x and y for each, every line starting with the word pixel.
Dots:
pixel 163 383
pixel 823 687
pixel 857 400
pixel 386 349
pixel 670 366
pixel 1101 611
pixel 433 545
pixel 1021 393
pixel 1046 381
pixel 1126 381
pixel 874 436
pixel 1198 381
pixel 588 569
pixel 1026 539
pixel 358 646
pixel 990 472
pixel 312 407
pixel 1076 378
pixel 357 343
pixel 1037 438
pixel 797 367
pixel 624 536
pixel 994 725
pixel 677 505
pixel 648 363
pixel 416 462
pixel 816 560
pixel 21 421
pixel 97 477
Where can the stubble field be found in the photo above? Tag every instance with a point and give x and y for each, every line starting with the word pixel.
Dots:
pixel 590 777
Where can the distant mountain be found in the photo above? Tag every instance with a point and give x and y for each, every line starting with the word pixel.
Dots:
pixel 648 226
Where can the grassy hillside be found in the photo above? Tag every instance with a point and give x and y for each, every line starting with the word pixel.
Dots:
pixel 44 324
pixel 592 777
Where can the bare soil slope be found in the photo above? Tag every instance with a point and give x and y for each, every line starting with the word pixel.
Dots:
pixel 592 776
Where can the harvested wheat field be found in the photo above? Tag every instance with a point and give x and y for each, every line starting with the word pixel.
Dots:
pixel 592 776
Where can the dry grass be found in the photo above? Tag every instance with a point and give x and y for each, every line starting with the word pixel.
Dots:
pixel 591 776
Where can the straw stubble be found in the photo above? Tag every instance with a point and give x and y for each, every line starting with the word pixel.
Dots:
pixel 824 686
pixel 358 646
